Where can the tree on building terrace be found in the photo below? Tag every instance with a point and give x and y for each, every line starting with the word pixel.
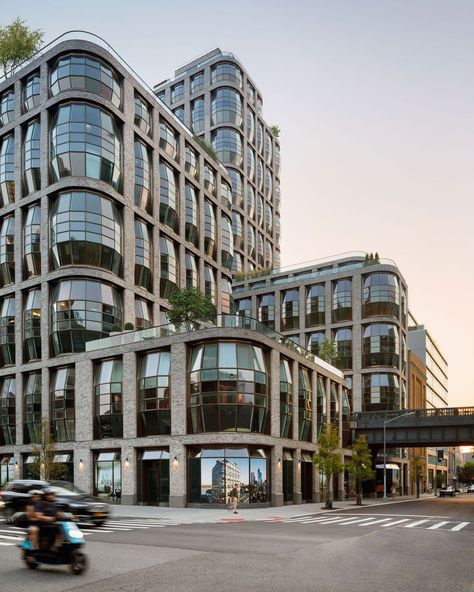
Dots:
pixel 18 43
pixel 189 304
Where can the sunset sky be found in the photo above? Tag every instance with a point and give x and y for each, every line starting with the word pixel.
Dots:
pixel 375 100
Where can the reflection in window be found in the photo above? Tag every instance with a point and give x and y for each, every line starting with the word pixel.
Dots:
pixel 243 307
pixel 226 195
pixel 85 142
pixel 210 287
pixel 381 295
pixel 7 107
pixel 108 400
pixel 250 241
pixel 237 187
pixel 62 404
pixel 31 92
pixel 143 117
pixel 169 197
pixel 277 195
pixel 260 251
pixel 290 310
pixel 190 161
pixel 143 315
pixel 154 394
pixel 197 116
pixel 226 107
pixel 229 388
pixel 7 170
pixel 7 331
pixel 32 325
pixel 342 301
pixel 143 255
pixel 168 268
pixel 86 229
pixel 260 137
pixel 266 310
pixel 177 92
pixel 268 255
pixel 250 164
pixel 7 251
pixel 315 340
pixel 31 157
pixel 82 72
pixel 250 202
pixel 197 82
pixel 81 311
pixel 191 230
pixel 268 148
pixel 32 241
pixel 227 143
pixel 210 180
pixel 227 245
pixel 227 302
pixel 268 184
pixel 277 160
pixel 286 399
pixel 226 72
pixel 8 411
pixel 168 140
pixel 32 407
pixel 260 169
pixel 333 404
pixel 142 192
pixel 237 230
pixel 209 229
pixel 192 272
pixel 343 342
pixel 305 413
pixel 380 345
pixel 237 265
pixel 315 306
pixel 381 392
pixel 321 404
pixel 250 125
pixel 179 113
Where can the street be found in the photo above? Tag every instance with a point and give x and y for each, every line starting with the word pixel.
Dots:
pixel 425 544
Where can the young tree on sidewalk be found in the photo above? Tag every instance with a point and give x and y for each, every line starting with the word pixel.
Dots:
pixel 328 460
pixel 45 452
pixel 360 465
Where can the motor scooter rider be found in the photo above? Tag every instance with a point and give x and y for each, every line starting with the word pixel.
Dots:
pixel 33 511
pixel 51 513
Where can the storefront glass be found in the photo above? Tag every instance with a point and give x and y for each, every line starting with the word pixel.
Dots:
pixel 154 476
pixel 108 475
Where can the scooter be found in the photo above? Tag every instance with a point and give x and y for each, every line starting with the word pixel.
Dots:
pixel 68 554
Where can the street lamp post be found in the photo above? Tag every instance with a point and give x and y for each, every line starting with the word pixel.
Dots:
pixel 385 451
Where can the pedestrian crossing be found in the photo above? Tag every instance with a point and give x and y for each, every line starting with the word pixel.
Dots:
pixel 363 520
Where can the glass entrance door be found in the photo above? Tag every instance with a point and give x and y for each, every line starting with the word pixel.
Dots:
pixel 155 476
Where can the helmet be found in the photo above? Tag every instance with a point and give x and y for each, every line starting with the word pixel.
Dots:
pixel 38 492
pixel 49 491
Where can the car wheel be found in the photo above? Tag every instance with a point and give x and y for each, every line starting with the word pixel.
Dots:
pixel 78 563
pixel 8 514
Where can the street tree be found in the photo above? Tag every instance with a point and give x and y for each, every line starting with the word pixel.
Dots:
pixel 18 43
pixel 45 452
pixel 418 467
pixel 466 472
pixel 328 460
pixel 189 304
pixel 360 465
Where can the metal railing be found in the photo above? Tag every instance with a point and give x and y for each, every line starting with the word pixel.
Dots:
pixel 441 412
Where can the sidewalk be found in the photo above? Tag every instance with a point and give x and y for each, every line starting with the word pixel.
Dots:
pixel 204 515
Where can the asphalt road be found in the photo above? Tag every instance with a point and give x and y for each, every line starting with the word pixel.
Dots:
pixel 411 546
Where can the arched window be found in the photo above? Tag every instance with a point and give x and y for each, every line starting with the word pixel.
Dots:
pixel 143 116
pixel 381 295
pixel 266 310
pixel 168 140
pixel 7 331
pixel 169 197
pixel 381 392
pixel 226 107
pixel 192 215
pixel 315 305
pixel 108 399
pixel 286 399
pixel 169 267
pixel 143 187
pixel 305 412
pixel 209 229
pixel 343 341
pixel 32 325
pixel 7 251
pixel 31 157
pixel 63 404
pixel 32 241
pixel 8 411
pixel 227 143
pixel 143 255
pixel 381 345
pixel 290 310
pixel 342 301
pixel 154 394
pixel 7 170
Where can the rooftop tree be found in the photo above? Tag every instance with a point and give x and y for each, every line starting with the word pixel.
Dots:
pixel 189 304
pixel 18 43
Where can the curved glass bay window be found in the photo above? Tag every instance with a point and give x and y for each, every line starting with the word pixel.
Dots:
pixel 315 305
pixel 154 394
pixel 197 116
pixel 7 251
pixel 214 472
pixel 277 160
pixel 381 345
pixel 177 92
pixel 228 388
pixel 226 195
pixel 191 161
pixel 268 148
pixel 227 143
pixel 260 137
pixel 290 310
pixel 191 230
pixel 227 72
pixel 237 265
pixel 237 187
pixel 210 286
pixel 32 407
pixel 179 112
pixel 83 310
pixel 266 310
pixel 143 255
pixel 108 399
pixel 315 340
pixel 227 243
pixel 209 179
pixel 86 229
pixel 286 399
pixel 243 307
pixel 342 301
pixel 63 414
pixel 85 142
pixel 343 342
pixel 259 179
pixel 7 331
pixel 32 325
pixel 381 392
pixel 192 271
pixel 260 250
pixel 333 404
pixel 7 107
pixel 260 211
pixel 197 82
pixel 168 140
pixel 142 192
pixel 381 295
pixel 8 411
pixel 268 184
pixel 210 231
pixel 227 301
pixel 143 118
pixel 83 72
pixel 143 315
pixel 268 218
pixel 31 157
pixel 237 230
pixel 226 107
pixel 305 412
pixel 268 255
pixel 31 92
pixel 32 242
pixel 250 125
pixel 250 202
pixel 7 170
pixel 250 164
pixel 251 241
pixel 169 270
pixel 321 404
pixel 169 197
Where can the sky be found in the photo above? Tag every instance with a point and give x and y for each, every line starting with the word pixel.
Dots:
pixel 375 101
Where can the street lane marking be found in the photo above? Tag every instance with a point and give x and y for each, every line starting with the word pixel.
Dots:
pixel 439 525
pixel 396 522
pixel 325 519
pixel 459 526
pixel 6 544
pixel 355 521
pixel 374 522
pixel 417 523
pixel 10 538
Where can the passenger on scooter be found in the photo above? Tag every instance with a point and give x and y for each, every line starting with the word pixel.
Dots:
pixel 51 512
pixel 34 513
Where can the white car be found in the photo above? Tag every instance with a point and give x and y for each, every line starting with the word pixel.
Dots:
pixel 470 489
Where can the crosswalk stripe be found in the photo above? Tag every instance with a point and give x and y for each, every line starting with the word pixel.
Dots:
pixel 459 526
pixel 333 520
pixel 320 519
pixel 439 525
pixel 355 521
pixel 6 544
pixel 374 522
pixel 10 538
pixel 417 523
pixel 396 522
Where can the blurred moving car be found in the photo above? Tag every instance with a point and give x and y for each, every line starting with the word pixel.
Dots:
pixel 447 491
pixel 88 509
pixel 470 489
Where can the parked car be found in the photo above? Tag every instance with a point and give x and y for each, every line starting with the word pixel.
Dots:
pixel 15 496
pixel 447 491
pixel 470 489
